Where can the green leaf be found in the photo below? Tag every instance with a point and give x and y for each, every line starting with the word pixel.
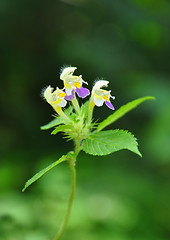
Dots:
pixel 106 142
pixel 121 112
pixel 84 109
pixel 68 111
pixel 61 128
pixel 58 120
pixel 53 123
pixel 43 171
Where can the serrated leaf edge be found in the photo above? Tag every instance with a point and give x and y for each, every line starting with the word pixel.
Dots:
pixel 121 130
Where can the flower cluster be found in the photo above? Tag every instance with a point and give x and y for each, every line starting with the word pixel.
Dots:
pixel 73 85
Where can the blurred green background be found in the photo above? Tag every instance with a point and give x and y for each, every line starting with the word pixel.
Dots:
pixel 120 196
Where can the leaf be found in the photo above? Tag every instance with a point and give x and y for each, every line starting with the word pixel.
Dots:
pixel 53 123
pixel 84 109
pixel 68 111
pixel 61 128
pixel 43 171
pixel 121 112
pixel 106 142
pixel 58 120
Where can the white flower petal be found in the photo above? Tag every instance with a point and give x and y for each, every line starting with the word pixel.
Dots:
pixel 98 101
pixel 62 103
pixel 52 97
pixel 69 91
pixel 67 72
pixel 100 83
pixel 48 94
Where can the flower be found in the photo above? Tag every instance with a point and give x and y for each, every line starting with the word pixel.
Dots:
pixel 73 84
pixel 56 98
pixel 100 96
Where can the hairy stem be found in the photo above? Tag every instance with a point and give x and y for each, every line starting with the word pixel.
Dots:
pixel 73 189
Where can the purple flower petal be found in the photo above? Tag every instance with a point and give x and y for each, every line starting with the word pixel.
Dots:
pixel 82 92
pixel 70 97
pixel 109 105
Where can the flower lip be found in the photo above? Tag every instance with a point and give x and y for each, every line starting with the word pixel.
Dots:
pixel 82 92
pixel 109 105
pixel 71 96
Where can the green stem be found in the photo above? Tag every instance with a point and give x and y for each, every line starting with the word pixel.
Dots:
pixel 73 189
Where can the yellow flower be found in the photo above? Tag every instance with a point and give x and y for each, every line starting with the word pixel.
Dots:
pixel 55 98
pixel 100 96
pixel 73 83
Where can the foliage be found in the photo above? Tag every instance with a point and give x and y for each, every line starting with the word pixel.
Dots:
pixel 45 170
pixel 107 142
pixel 124 41
pixel 95 142
pixel 121 112
pixel 77 124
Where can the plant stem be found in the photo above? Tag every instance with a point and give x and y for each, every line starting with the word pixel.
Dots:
pixel 73 189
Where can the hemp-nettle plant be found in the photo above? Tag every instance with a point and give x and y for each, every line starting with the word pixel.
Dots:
pixel 77 124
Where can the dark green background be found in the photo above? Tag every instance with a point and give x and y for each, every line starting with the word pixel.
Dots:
pixel 119 196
